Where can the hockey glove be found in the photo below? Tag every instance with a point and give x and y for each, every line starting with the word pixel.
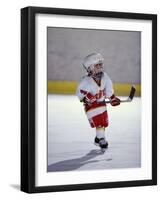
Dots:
pixel 89 99
pixel 115 101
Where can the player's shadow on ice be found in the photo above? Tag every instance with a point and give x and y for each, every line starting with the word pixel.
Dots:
pixel 73 164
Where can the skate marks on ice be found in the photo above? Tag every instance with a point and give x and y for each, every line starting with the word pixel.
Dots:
pixel 74 164
pixel 116 156
pixel 70 138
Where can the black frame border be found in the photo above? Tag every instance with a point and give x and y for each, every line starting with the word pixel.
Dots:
pixel 28 98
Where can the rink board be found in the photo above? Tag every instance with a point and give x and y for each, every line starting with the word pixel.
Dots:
pixel 69 87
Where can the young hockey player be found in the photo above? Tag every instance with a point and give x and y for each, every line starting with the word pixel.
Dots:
pixel 93 89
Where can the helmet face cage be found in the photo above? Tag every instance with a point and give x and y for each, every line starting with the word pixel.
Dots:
pixel 95 69
pixel 93 63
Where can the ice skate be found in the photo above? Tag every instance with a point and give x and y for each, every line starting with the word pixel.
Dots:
pixel 102 143
pixel 96 141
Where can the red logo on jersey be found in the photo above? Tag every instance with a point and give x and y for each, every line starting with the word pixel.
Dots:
pixel 100 94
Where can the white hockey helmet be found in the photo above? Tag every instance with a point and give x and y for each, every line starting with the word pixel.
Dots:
pixel 93 63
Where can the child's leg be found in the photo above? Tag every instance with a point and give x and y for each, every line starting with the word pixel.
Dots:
pixel 100 137
pixel 100 132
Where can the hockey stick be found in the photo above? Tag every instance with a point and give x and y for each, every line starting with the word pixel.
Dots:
pixel 129 99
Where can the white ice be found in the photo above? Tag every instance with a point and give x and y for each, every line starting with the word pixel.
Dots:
pixel 71 139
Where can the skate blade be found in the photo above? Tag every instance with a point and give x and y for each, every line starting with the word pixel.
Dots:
pixel 103 150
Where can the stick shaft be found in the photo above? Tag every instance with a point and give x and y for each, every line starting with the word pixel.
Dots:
pixel 122 101
pixel 129 99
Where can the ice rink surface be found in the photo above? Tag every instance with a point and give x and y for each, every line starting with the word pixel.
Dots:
pixel 71 139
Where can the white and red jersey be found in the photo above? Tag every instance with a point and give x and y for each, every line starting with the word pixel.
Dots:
pixel 89 85
pixel 96 112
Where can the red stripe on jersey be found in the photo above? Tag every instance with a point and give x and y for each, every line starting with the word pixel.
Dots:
pixel 83 92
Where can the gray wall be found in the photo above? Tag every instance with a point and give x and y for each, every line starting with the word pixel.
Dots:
pixel 120 49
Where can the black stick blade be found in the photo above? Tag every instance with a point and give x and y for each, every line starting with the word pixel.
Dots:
pixel 132 92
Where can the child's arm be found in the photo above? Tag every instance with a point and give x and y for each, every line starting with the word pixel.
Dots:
pixel 85 96
pixel 83 92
